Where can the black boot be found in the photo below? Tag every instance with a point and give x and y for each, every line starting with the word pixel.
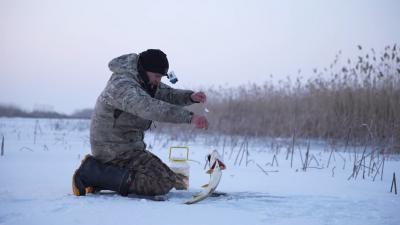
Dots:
pixel 93 175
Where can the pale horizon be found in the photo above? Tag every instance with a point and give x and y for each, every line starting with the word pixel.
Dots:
pixel 54 54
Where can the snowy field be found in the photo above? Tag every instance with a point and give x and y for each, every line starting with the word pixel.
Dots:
pixel 40 157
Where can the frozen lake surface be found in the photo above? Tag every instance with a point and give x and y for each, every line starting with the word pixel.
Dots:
pixel 40 157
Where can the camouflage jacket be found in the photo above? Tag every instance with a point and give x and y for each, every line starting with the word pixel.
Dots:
pixel 124 110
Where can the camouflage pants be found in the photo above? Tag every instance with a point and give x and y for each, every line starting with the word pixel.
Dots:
pixel 152 176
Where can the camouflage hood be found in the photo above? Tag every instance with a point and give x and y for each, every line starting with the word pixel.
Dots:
pixel 124 64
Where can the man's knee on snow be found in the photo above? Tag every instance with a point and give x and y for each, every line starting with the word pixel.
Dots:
pixel 165 188
pixel 145 184
pixel 151 190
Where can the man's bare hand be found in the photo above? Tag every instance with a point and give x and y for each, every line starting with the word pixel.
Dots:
pixel 199 97
pixel 200 122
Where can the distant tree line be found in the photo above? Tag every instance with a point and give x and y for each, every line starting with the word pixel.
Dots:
pixel 15 111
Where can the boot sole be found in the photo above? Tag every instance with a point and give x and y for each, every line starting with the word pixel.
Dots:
pixel 75 189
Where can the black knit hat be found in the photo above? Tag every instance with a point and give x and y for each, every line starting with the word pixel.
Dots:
pixel 154 60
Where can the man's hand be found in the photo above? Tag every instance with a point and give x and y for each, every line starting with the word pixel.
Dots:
pixel 200 121
pixel 199 97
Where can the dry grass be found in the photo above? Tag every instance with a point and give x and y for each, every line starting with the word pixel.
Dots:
pixel 356 102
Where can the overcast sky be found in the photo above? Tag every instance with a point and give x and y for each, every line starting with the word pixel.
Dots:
pixel 55 53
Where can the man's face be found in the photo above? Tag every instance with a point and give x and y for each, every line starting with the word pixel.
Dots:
pixel 154 78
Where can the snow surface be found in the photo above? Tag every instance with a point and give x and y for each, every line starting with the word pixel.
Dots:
pixel 36 171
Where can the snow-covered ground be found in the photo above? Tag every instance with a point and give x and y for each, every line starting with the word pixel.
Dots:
pixel 40 157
